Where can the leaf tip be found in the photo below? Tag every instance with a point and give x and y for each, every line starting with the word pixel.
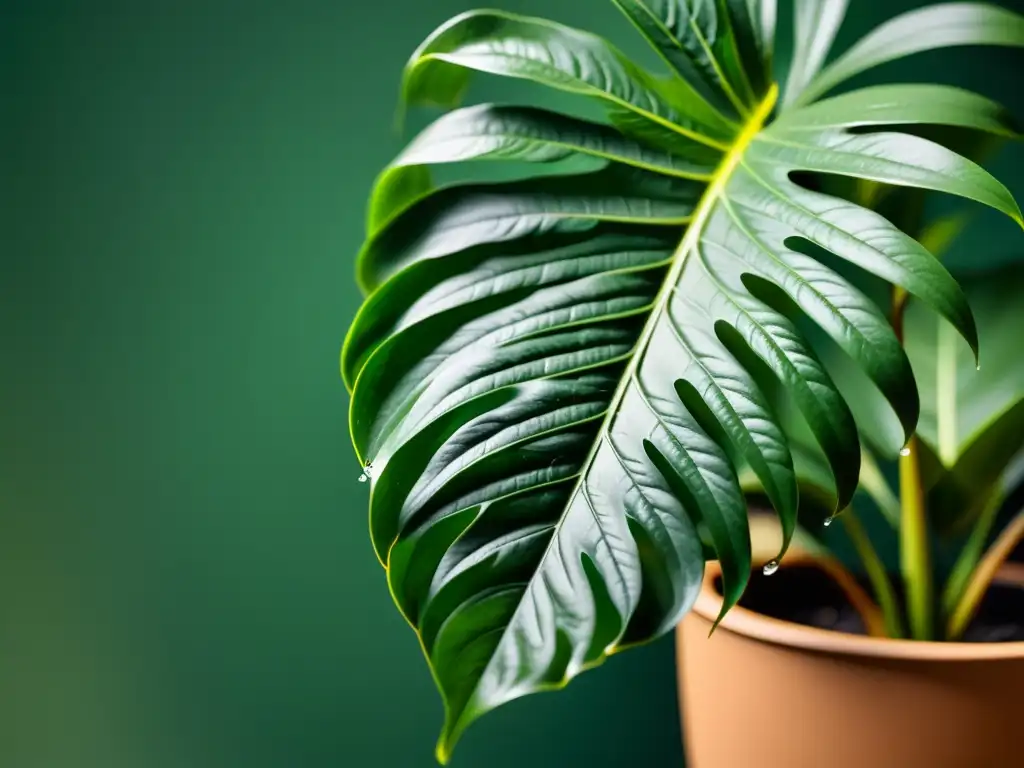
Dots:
pixel 787 538
pixel 442 753
pixel 455 724
pixel 970 335
pixel 726 607
pixel 445 744
pixel 714 626
pixel 1013 210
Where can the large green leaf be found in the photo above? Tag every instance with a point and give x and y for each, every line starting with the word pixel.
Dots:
pixel 558 381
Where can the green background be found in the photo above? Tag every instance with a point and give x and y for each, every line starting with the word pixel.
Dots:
pixel 185 574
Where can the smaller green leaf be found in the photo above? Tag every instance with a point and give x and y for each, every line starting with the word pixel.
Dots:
pixel 974 417
pixel 902 105
pixel 753 24
pixel 876 573
pixel 937 26
pixel 960 494
pixel 982 576
pixel 765 14
pixel 972 551
pixel 816 22
pixel 554 55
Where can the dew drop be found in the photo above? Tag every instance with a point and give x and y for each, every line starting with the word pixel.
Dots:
pixel 770 567
pixel 363 478
pixel 366 473
pixel 977 367
pixel 904 451
pixel 828 521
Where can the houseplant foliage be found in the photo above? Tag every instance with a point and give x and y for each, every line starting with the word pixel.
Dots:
pixel 965 472
pixel 964 476
pixel 558 380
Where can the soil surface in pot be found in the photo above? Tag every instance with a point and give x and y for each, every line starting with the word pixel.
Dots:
pixel 803 594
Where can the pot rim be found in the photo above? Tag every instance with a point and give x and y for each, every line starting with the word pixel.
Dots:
pixel 748 623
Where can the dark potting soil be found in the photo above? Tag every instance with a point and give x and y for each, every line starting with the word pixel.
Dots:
pixel 804 595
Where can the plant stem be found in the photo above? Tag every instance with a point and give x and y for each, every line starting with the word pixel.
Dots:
pixel 945 392
pixel 915 547
pixel 915 552
pixel 972 552
pixel 880 583
pixel 982 576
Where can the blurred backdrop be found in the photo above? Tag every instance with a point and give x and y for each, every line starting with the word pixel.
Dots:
pixel 185 573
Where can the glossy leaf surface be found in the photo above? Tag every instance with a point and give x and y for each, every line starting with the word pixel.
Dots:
pixel 558 381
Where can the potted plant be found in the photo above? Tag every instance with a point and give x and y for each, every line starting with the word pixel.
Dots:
pixel 566 381
pixel 793 634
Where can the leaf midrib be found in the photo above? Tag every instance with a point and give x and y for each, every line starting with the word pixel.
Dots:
pixel 700 215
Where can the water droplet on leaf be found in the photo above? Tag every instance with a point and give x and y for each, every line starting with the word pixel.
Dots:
pixel 366 473
pixel 770 567
pixel 904 451
pixel 828 521
pixel 363 478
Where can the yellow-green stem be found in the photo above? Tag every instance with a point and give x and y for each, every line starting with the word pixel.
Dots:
pixel 982 577
pixel 879 579
pixel 915 550
pixel 972 552
pixel 915 547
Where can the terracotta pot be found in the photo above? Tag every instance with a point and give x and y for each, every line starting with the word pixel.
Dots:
pixel 766 692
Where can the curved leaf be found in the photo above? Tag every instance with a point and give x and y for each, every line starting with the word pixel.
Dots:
pixel 528 134
pixel 492 132
pixel 460 217
pixel 891 158
pixel 816 23
pixel 558 381
pixel 753 24
pixel 903 105
pixel 937 26
pixel 973 590
pixel 557 56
